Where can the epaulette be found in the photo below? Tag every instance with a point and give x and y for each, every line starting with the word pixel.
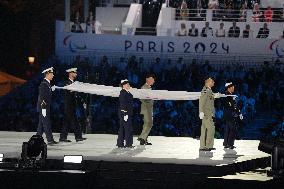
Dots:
pixel 204 91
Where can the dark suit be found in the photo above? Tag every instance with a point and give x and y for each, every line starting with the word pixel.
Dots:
pixel 246 34
pixel 231 116
pixel 70 119
pixel 263 33
pixel 125 129
pixel 234 32
pixel 204 32
pixel 193 33
pixel 44 101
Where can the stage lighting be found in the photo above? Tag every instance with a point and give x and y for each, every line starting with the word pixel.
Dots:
pixel 31 60
pixel 73 159
pixel 276 149
pixel 1 157
pixel 34 152
pixel 73 162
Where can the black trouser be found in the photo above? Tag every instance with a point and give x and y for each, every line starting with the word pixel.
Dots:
pixel 45 126
pixel 125 131
pixel 230 133
pixel 70 122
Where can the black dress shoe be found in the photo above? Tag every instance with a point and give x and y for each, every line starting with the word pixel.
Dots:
pixel 212 149
pixel 232 147
pixel 52 142
pixel 226 147
pixel 148 143
pixel 64 140
pixel 80 139
pixel 204 149
pixel 142 142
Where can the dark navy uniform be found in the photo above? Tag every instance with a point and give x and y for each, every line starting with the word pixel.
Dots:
pixel 125 129
pixel 70 119
pixel 44 101
pixel 231 116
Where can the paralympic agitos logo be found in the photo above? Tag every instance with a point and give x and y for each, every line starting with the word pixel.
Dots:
pixel 73 47
pixel 278 47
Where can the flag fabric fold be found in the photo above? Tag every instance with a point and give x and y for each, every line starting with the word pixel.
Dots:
pixel 137 93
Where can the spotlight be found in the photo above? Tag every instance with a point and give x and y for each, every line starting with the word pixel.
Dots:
pixel 1 157
pixel 276 149
pixel 73 161
pixel 34 152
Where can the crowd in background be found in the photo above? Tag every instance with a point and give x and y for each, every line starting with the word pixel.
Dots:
pixel 233 32
pixel 226 10
pixel 259 91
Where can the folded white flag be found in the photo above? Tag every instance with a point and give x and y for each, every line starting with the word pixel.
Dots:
pixel 137 93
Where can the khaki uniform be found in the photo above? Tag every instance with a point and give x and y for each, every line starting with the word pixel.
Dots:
pixel 206 105
pixel 147 112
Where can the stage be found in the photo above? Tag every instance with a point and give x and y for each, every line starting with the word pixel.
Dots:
pixel 171 162
pixel 168 150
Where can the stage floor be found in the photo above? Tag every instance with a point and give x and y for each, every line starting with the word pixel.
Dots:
pixel 172 150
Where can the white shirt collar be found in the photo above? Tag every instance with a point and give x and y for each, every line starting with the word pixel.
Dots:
pixel 148 85
pixel 71 80
pixel 47 80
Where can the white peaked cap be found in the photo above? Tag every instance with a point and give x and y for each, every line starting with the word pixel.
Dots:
pixel 71 70
pixel 228 84
pixel 124 81
pixel 48 70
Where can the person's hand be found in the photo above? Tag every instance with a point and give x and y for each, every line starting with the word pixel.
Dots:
pixel 217 95
pixel 125 118
pixel 53 88
pixel 201 115
pixel 241 117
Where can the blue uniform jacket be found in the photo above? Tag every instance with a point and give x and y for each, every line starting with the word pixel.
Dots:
pixel 44 96
pixel 126 102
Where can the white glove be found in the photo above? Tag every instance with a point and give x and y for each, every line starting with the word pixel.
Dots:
pixel 53 88
pixel 43 112
pixel 217 95
pixel 241 117
pixel 201 115
pixel 125 118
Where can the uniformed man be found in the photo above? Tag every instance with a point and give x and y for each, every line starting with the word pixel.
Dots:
pixel 206 114
pixel 70 119
pixel 125 116
pixel 231 115
pixel 43 106
pixel 147 112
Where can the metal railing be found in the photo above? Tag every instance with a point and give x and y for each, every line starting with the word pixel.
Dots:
pixel 227 15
